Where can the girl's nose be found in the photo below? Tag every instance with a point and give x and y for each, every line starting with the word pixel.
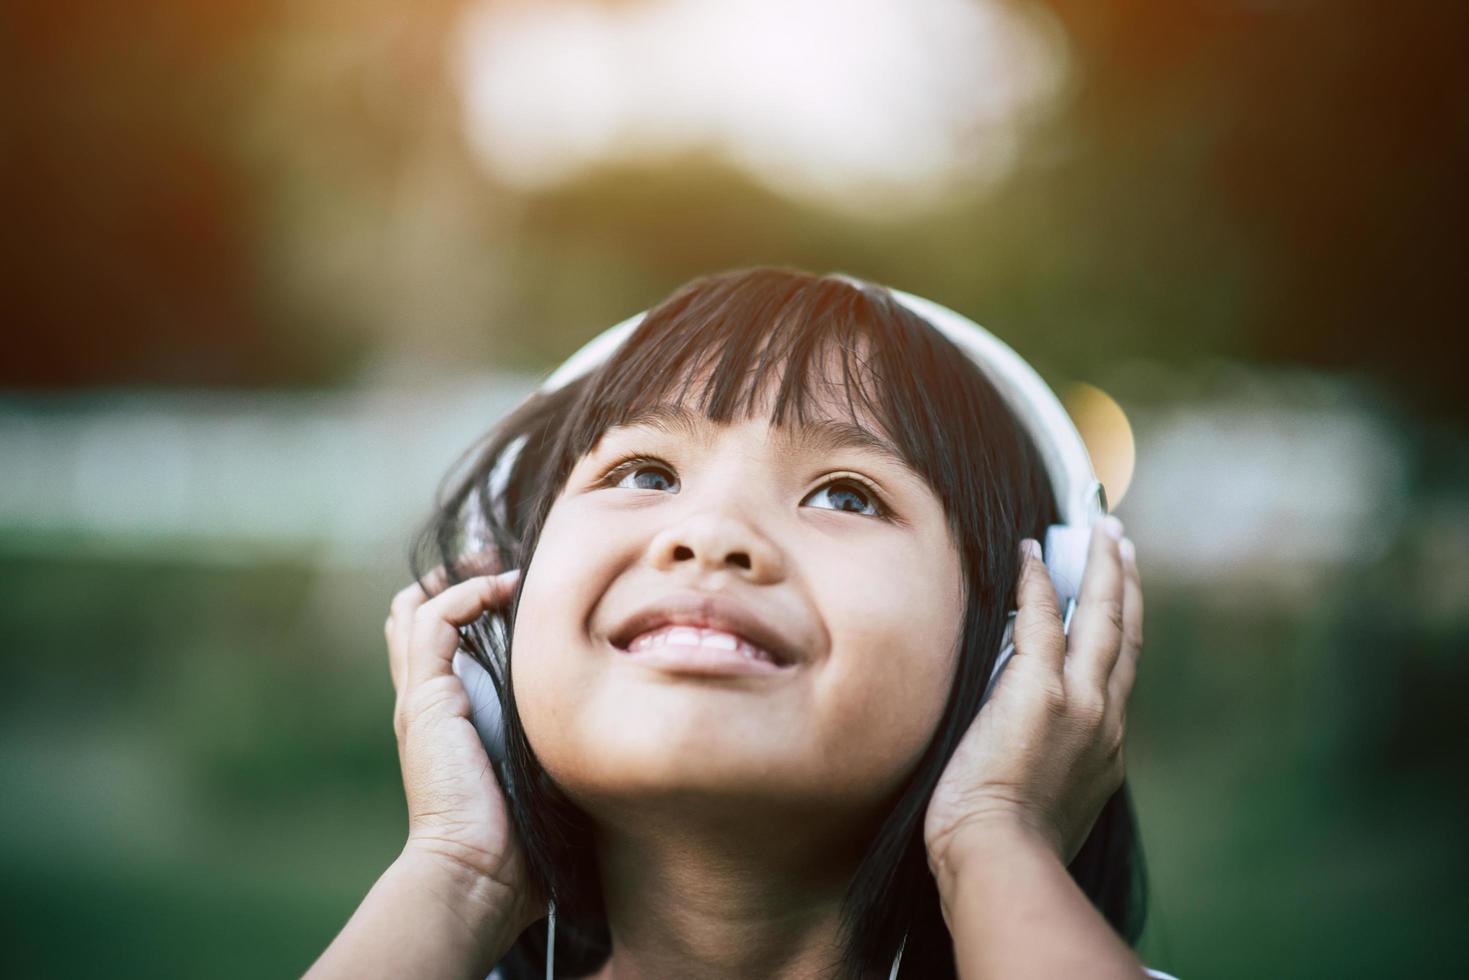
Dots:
pixel 716 542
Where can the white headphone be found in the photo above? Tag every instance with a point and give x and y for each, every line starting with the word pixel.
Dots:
pixel 1080 501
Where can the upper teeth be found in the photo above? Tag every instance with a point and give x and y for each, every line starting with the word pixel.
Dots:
pixel 694 636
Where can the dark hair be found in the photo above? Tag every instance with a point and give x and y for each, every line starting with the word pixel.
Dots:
pixel 738 330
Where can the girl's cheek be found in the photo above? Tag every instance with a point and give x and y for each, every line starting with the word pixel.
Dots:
pixel 544 669
pixel 567 552
pixel 905 621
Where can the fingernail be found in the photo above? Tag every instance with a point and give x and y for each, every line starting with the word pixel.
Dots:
pixel 1113 527
pixel 1129 553
pixel 1031 547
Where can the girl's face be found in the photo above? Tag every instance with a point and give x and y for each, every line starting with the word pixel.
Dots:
pixel 815 552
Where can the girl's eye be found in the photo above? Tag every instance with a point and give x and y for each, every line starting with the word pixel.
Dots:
pixel 849 495
pixel 641 474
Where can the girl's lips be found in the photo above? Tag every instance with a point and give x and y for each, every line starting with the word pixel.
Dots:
pixel 699 650
pixel 713 612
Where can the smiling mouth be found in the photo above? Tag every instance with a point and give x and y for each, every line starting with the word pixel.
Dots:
pixel 699 650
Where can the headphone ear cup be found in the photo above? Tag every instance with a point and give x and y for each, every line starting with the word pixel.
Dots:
pixel 1065 554
pixel 484 705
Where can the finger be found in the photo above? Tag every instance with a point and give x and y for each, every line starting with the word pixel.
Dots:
pixel 397 629
pixel 1119 686
pixel 1096 626
pixel 1038 632
pixel 434 635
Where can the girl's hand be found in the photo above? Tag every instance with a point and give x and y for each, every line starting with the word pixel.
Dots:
pixel 458 820
pixel 1046 751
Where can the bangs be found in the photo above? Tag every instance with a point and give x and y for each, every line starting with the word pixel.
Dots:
pixel 812 347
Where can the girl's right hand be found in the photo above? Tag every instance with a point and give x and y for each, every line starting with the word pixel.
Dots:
pixel 458 820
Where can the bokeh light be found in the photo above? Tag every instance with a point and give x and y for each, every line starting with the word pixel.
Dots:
pixel 1108 437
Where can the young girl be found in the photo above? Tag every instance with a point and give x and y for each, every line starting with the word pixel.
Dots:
pixel 761 561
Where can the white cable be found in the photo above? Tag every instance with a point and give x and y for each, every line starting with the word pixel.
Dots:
pixel 893 973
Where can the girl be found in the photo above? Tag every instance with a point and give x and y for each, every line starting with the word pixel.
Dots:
pixel 760 565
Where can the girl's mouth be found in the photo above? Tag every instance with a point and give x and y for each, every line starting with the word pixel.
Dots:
pixel 699 650
pixel 704 633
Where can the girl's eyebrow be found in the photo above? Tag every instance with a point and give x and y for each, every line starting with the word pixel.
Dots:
pixel 829 435
pixel 819 435
pixel 667 417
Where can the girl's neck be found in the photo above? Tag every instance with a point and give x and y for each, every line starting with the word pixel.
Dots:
pixel 728 895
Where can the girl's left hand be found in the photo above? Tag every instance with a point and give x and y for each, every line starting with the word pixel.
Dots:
pixel 1046 751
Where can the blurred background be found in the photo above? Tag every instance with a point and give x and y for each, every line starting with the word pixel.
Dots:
pixel 267 269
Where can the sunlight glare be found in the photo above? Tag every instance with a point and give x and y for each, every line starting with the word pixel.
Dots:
pixel 842 101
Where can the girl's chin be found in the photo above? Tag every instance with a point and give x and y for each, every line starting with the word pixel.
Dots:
pixel 720 796
pixel 645 761
pixel 659 756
